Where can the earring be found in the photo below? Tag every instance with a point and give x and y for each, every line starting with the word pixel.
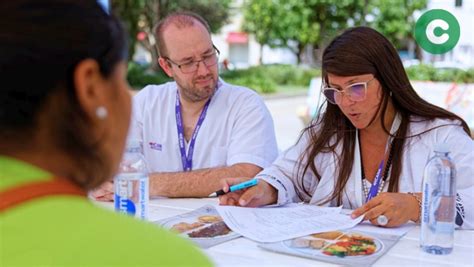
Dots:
pixel 101 112
pixel 390 93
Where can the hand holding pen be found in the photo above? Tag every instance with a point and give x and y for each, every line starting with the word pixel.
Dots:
pixel 239 186
pixel 254 193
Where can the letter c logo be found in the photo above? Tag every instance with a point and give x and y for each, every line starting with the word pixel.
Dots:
pixel 430 31
pixel 437 31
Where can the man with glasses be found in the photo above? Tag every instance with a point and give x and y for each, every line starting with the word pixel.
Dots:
pixel 197 129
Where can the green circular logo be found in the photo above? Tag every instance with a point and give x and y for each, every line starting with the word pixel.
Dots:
pixel 437 31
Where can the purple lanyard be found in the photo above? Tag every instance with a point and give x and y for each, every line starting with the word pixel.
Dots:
pixel 374 189
pixel 375 186
pixel 187 160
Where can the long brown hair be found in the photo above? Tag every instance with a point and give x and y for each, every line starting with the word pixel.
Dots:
pixel 359 51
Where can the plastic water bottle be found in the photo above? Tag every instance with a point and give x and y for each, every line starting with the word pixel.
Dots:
pixel 131 183
pixel 439 203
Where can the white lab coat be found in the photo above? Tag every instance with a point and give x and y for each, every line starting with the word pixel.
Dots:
pixel 416 152
pixel 238 128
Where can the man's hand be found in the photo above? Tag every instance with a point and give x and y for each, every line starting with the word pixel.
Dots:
pixel 105 192
pixel 197 183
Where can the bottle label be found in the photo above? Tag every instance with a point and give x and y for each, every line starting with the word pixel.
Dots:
pixel 131 194
pixel 123 203
pixel 426 204
pixel 143 198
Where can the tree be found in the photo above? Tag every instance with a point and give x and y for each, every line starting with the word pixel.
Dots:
pixel 129 12
pixel 280 23
pixel 259 19
pixel 296 29
pixel 143 15
pixel 394 19
pixel 298 23
pixel 334 16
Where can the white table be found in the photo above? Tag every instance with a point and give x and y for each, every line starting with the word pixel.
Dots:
pixel 245 252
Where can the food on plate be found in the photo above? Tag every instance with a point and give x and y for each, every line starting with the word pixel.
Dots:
pixel 215 229
pixel 184 226
pixel 300 243
pixel 209 218
pixel 328 235
pixel 351 245
pixel 317 244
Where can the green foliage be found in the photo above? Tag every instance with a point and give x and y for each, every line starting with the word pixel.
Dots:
pixel 129 12
pixel 276 22
pixel 298 23
pixel 394 19
pixel 142 16
pixel 259 19
pixel 421 72
pixel 467 76
pixel 253 78
pixel 139 76
pixel 429 73
pixel 265 78
pixel 268 78
pixel 215 12
pixel 290 74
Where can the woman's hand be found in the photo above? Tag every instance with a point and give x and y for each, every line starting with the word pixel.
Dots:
pixel 399 208
pixel 259 195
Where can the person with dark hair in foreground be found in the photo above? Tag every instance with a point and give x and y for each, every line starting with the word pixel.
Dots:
pixel 375 128
pixel 64 116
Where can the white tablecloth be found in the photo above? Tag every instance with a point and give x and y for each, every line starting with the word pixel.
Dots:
pixel 244 252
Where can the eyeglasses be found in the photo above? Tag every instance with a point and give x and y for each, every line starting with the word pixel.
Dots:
pixel 355 92
pixel 208 60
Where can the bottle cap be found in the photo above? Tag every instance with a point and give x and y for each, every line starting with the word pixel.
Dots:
pixel 441 147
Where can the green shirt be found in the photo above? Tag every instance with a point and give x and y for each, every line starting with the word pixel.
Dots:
pixel 71 231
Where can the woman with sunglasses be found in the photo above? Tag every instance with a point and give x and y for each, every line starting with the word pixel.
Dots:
pixel 367 150
pixel 62 132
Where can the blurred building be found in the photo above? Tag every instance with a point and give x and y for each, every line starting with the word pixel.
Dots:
pixel 462 56
pixel 241 50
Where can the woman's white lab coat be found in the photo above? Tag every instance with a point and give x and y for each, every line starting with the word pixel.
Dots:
pixel 416 152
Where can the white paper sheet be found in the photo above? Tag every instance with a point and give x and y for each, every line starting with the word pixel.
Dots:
pixel 398 231
pixel 281 223
pixel 366 226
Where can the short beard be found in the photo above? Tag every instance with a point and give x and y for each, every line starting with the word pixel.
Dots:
pixel 192 94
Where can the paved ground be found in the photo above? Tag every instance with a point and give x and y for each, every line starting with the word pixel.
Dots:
pixel 287 124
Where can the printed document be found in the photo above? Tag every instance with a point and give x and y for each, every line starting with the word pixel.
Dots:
pixel 286 222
